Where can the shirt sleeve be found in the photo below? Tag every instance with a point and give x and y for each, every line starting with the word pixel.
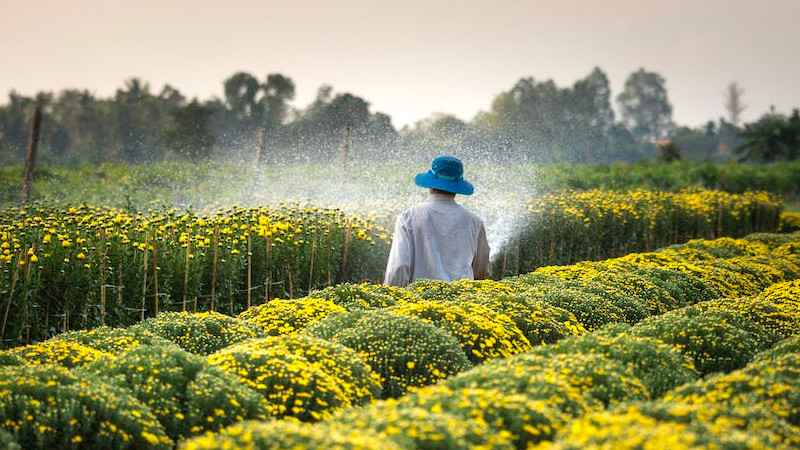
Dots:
pixel 481 267
pixel 400 265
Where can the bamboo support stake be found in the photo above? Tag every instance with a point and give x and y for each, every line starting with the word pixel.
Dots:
pixel 289 273
pixel 214 269
pixel 269 269
pixel 346 251
pixel 25 327
pixel 144 277
pixel 249 268
pixel 186 274
pixel 102 278
pixel 155 277
pixel 14 277
pixel 313 254
pixel 329 252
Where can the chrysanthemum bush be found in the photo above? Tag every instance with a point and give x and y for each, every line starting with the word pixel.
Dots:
pixel 48 406
pixel 112 340
pixel 289 316
pixel 7 441
pixel 528 421
pixel 284 434
pixel 62 353
pixel 785 347
pixel 660 367
pixel 300 376
pixel 540 322
pixel 571 383
pixel 771 383
pixel 667 425
pixel 357 296
pixel 785 295
pixel 771 321
pixel 186 394
pixel 200 333
pixel 405 351
pixel 440 290
pixel 423 428
pixel 708 338
pixel 482 333
pixel 591 310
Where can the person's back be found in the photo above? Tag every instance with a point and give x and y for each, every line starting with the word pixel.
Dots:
pixel 439 239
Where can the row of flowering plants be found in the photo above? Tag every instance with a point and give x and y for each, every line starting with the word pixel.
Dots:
pixel 433 365
pixel 64 268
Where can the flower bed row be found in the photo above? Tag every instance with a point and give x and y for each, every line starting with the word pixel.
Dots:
pixel 315 359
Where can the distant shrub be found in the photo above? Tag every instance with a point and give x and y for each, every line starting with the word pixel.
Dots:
pixel 47 407
pixel 405 351
pixel 300 376
pixel 186 394
pixel 200 333
pixel 289 316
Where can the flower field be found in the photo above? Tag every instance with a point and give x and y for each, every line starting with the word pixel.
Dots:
pixel 79 267
pixel 693 345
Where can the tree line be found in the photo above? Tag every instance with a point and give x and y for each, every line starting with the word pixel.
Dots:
pixel 255 120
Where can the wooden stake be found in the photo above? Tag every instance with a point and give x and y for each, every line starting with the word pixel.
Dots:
pixel 249 268
pixel 144 277
pixel 30 162
pixel 14 277
pixel 186 274
pixel 214 268
pixel 155 277
pixel 102 278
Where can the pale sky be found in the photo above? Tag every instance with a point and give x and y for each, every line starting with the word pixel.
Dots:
pixel 409 58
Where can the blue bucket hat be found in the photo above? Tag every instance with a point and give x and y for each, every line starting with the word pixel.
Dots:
pixel 446 174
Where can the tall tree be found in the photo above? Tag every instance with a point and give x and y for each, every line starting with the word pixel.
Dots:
pixel 774 137
pixel 733 103
pixel 189 134
pixel 644 106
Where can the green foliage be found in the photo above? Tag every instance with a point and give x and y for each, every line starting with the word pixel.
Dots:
pixel 283 434
pixel 189 133
pixel 300 376
pixel 187 396
pixel 405 351
pixel 47 406
pixel 773 138
pixel 200 333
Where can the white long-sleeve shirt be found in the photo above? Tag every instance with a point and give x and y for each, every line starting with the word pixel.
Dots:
pixel 437 239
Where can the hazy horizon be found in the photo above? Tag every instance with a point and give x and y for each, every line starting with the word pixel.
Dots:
pixel 414 58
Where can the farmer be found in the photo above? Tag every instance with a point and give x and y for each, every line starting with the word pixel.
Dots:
pixel 438 238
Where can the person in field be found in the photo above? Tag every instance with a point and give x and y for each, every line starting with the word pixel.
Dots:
pixel 439 239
